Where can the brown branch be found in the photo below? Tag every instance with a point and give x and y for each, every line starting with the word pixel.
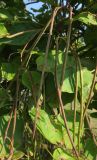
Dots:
pixel 58 87
pixel 81 103
pixel 75 98
pixel 8 125
pixel 45 63
pixel 87 118
pixel 61 103
pixel 12 138
pixel 28 56
pixel 31 3
pixel 91 90
pixel 20 33
pixel 56 63
pixel 65 122
pixel 14 120
pixel 67 47
pixel 36 42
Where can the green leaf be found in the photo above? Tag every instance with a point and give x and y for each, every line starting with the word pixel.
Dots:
pixel 50 90
pixel 90 150
pixel 90 37
pixel 5 15
pixel 9 70
pixel 30 79
pixel 69 80
pixel 19 40
pixel 20 34
pixel 4 98
pixel 46 128
pixel 18 155
pixel 53 129
pixel 87 18
pixel 70 119
pixel 68 84
pixel 96 87
pixel 3 30
pixel 62 154
pixel 87 81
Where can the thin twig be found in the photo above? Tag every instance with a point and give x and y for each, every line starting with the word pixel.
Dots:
pixel 58 87
pixel 67 47
pixel 29 3
pixel 91 90
pixel 36 42
pixel 61 103
pixel 81 104
pixel 56 63
pixel 87 118
pixel 75 98
pixel 12 138
pixel 65 121
pixel 14 120
pixel 28 56
pixel 8 125
pixel 43 70
pixel 20 33
pixel 44 96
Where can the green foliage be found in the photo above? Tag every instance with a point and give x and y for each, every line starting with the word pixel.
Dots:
pixel 61 154
pixel 3 30
pixel 90 152
pixel 90 36
pixel 53 128
pixel 5 15
pixel 50 130
pixel 4 98
pixel 69 80
pixel 30 80
pixel 8 70
pixel 87 18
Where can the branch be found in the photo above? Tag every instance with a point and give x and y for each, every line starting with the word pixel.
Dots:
pixel 75 98
pixel 81 103
pixel 45 63
pixel 61 103
pixel 91 90
pixel 67 47
pixel 94 138
pixel 8 125
pixel 24 62
pixel 32 2
pixel 14 120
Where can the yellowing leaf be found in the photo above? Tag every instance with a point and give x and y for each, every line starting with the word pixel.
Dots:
pixel 3 30
pixel 87 18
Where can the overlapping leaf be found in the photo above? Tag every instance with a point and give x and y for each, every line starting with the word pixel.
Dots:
pixel 53 129
pixel 69 79
pixel 51 132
